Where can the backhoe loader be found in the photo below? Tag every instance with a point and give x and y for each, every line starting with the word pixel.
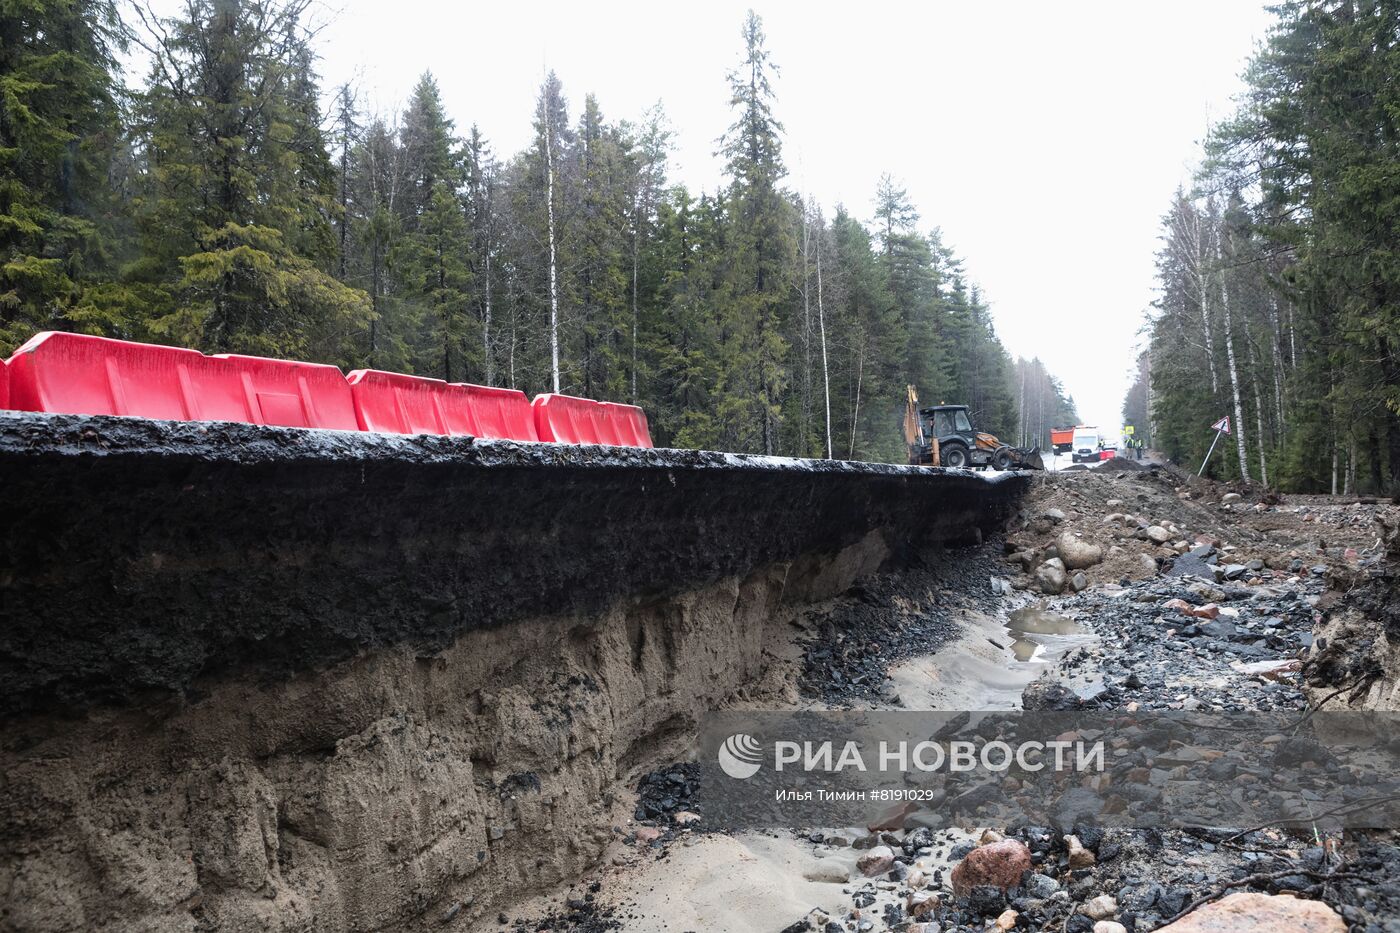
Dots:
pixel 943 435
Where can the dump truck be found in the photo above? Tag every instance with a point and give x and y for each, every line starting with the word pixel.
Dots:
pixel 943 435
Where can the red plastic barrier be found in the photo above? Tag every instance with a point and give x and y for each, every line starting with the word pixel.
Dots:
pixel 281 392
pixel 81 375
pixel 412 405
pixel 569 420
pixel 77 375
pixel 631 422
pixel 565 419
pixel 500 413
pixel 399 404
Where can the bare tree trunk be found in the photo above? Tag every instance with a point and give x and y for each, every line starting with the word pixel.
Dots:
pixel 553 260
pixel 855 414
pixel 1332 409
pixel 636 234
pixel 806 322
pixel 1258 406
pixel 821 322
pixel 374 301
pixel 1277 349
pixel 1350 488
pixel 486 324
pixel 1188 223
pixel 1230 359
pixel 1292 339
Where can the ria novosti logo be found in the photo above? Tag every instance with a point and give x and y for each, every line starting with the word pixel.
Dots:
pixel 740 756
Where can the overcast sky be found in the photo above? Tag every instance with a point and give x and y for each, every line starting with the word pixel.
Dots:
pixel 1045 139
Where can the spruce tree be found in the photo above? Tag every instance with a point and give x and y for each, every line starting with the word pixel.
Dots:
pixel 237 216
pixel 762 249
pixel 59 134
pixel 431 258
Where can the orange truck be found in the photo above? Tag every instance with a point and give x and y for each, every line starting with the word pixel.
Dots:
pixel 1062 439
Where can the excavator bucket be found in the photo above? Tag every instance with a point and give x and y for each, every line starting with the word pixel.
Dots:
pixel 1032 460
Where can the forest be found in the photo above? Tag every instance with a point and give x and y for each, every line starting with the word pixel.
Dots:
pixel 1279 271
pixel 226 201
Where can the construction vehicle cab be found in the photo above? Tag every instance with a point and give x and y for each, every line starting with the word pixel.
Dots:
pixel 951 426
pixel 943 435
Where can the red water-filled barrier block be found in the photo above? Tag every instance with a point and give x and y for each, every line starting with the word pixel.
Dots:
pixel 82 375
pixel 282 392
pixel 399 404
pixel 569 420
pixel 565 419
pixel 631 423
pixel 501 413
pixel 4 385
pixel 77 375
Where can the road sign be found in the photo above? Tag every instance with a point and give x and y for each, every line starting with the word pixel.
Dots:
pixel 1220 427
pixel 1128 430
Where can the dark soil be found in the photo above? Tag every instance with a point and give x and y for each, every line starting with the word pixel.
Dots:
pixel 853 644
pixel 142 555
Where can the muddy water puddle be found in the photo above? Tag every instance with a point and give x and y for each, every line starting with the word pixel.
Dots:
pixel 993 662
pixel 1041 637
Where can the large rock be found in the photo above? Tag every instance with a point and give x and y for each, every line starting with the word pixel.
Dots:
pixel 1158 535
pixel 1079 855
pixel 831 870
pixel 1076 553
pixel 1259 913
pixel 1051 577
pixel 1045 694
pixel 876 862
pixel 1000 865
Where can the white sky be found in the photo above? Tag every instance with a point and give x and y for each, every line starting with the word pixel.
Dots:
pixel 1045 139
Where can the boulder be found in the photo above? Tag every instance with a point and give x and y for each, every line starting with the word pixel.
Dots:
pixel 1259 913
pixel 1103 907
pixel 1109 926
pixel 876 862
pixel 831 870
pixel 1055 515
pixel 1158 535
pixel 1076 553
pixel 1051 577
pixel 1079 857
pixel 921 904
pixel 1231 497
pixel 999 864
pixel 1079 583
pixel 1045 694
